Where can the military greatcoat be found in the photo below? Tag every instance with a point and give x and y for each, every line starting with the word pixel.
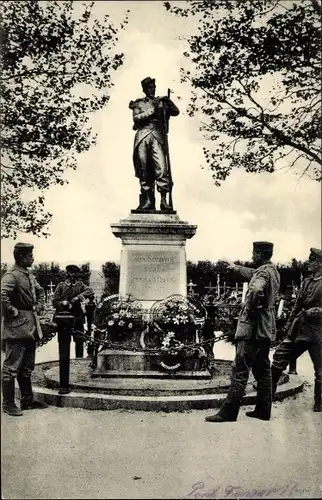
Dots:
pixel 149 152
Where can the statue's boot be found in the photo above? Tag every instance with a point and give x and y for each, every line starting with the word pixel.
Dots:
pixel 164 205
pixel 147 200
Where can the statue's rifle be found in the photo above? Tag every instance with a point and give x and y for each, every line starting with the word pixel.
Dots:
pixel 167 154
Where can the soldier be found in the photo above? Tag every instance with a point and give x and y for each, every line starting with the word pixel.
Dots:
pixel 150 148
pixel 70 293
pixel 304 328
pixel 22 298
pixel 90 307
pixel 208 333
pixel 255 332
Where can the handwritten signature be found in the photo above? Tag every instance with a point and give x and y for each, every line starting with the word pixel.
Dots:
pixel 198 490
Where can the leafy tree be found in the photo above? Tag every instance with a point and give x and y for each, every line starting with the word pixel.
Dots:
pixel 57 66
pixel 111 272
pixel 47 273
pixel 85 273
pixel 255 71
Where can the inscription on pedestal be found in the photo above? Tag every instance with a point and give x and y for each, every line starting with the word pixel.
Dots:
pixel 153 275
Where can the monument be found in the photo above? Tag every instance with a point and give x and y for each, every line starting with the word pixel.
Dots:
pixel 156 341
pixel 153 255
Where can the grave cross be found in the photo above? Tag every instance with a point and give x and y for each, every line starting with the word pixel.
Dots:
pixel 218 285
pixel 191 285
pixel 210 288
pixel 51 286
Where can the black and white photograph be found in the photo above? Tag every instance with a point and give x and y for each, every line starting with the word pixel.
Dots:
pixel 161 254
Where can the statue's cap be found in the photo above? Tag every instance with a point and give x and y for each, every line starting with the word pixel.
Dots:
pixel 315 254
pixel 23 247
pixel 146 81
pixel 262 246
pixel 72 268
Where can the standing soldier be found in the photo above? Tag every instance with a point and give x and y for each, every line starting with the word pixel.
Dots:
pixel 304 328
pixel 255 332
pixel 150 155
pixel 208 333
pixel 90 307
pixel 22 298
pixel 70 293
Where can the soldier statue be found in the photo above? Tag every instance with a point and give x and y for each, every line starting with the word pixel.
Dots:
pixel 151 153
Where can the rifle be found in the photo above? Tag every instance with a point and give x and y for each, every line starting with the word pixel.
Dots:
pixel 167 154
pixel 34 299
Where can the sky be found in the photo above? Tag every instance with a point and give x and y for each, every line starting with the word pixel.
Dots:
pixel 103 189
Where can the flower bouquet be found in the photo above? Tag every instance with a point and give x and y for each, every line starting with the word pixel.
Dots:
pixel 178 320
pixel 49 330
pixel 121 317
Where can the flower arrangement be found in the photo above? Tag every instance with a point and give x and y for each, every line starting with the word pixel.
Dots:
pixel 176 314
pixel 170 344
pixel 119 316
pixel 179 320
pixel 48 328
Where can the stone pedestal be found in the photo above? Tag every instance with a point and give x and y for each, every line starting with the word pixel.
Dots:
pixel 140 364
pixel 153 267
pixel 153 257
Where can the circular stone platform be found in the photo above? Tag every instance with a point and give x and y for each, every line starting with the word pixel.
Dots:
pixel 144 394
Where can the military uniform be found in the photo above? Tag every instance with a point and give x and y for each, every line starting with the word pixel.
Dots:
pixel 304 331
pixel 255 332
pixel 209 335
pixel 149 152
pixel 21 299
pixel 66 291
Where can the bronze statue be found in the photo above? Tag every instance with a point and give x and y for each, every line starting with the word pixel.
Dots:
pixel 151 153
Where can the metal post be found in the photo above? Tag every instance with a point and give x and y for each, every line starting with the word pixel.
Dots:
pixel 65 322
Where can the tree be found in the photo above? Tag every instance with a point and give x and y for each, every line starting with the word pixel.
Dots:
pixel 47 273
pixel 57 65
pixel 85 273
pixel 111 273
pixel 255 71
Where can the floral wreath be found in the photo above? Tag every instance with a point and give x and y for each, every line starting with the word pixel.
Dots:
pixel 178 319
pixel 120 315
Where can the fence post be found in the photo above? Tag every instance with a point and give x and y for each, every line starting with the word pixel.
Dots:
pixel 65 322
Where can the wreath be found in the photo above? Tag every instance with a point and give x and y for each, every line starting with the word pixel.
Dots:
pixel 178 321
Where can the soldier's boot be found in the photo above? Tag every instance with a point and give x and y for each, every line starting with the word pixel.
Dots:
pixel 276 373
pixel 227 413
pixel 27 401
pixel 260 414
pixel 8 392
pixel 163 204
pixel 317 397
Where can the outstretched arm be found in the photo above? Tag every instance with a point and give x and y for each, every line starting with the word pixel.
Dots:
pixel 245 272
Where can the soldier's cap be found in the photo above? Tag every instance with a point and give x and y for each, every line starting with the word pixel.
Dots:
pixel 72 268
pixel 23 247
pixel 315 254
pixel 262 246
pixel 146 81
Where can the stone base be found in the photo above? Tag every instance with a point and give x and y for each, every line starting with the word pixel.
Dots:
pixel 153 257
pixel 122 363
pixel 143 394
pixel 139 211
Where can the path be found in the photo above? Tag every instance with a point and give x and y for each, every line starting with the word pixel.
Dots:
pixel 61 453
